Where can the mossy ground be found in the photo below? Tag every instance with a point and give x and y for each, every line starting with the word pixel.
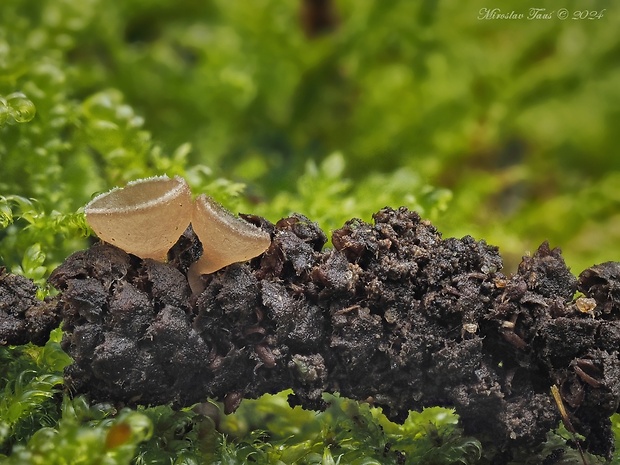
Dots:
pixel 501 130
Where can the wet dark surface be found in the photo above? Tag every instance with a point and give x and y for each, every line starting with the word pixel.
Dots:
pixel 24 318
pixel 392 314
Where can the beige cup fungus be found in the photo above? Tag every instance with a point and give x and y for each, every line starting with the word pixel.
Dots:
pixel 225 238
pixel 147 217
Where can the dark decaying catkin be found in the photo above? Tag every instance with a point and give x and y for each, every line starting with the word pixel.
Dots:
pixel 391 313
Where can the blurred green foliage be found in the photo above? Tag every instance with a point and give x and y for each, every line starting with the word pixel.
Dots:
pixel 352 433
pixel 502 129
pixel 516 118
pixel 29 378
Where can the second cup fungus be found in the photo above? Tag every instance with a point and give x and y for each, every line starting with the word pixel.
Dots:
pixel 225 238
pixel 147 217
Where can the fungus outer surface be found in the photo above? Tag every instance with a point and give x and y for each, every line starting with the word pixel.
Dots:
pixel 225 238
pixel 145 218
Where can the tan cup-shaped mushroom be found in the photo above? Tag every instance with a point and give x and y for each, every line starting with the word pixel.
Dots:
pixel 225 238
pixel 145 218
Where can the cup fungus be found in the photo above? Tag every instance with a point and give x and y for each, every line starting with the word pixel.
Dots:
pixel 148 216
pixel 145 218
pixel 225 238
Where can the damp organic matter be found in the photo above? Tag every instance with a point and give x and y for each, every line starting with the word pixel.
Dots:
pixel 393 313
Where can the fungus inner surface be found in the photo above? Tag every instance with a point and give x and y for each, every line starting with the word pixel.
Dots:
pixel 139 194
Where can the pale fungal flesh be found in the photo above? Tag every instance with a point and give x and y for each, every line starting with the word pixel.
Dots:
pixel 145 218
pixel 225 238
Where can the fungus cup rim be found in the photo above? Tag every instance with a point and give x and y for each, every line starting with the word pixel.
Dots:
pixel 167 195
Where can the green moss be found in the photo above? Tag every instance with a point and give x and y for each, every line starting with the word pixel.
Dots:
pixel 30 379
pixel 501 130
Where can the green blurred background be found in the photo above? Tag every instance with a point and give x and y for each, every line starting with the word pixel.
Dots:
pixel 506 130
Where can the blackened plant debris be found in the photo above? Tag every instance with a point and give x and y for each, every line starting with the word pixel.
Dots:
pixel 24 318
pixel 393 314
